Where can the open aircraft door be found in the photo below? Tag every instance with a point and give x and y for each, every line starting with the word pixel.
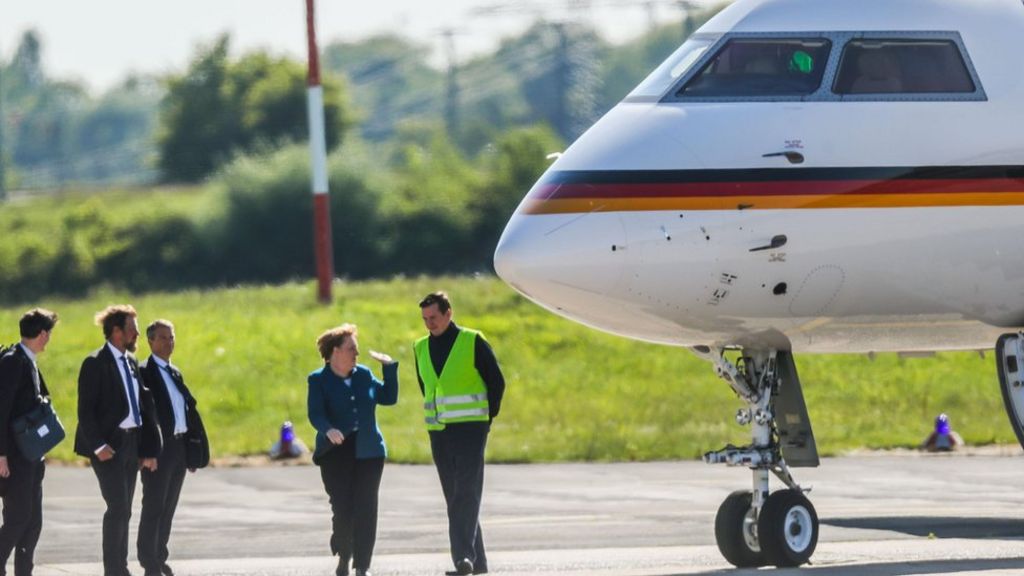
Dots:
pixel 1010 363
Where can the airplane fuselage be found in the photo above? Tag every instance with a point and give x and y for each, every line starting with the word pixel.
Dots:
pixel 824 223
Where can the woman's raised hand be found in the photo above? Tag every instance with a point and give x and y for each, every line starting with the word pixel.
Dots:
pixel 381 357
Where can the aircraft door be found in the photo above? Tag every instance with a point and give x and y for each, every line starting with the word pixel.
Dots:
pixel 1010 364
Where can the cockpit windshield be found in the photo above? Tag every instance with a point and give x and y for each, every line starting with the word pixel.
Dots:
pixel 759 67
pixel 659 81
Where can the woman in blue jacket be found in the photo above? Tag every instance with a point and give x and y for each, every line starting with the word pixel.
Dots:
pixel 350 451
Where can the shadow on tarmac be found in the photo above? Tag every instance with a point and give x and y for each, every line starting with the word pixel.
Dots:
pixel 883 569
pixel 938 527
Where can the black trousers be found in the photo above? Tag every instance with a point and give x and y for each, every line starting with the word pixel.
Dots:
pixel 23 513
pixel 117 478
pixel 458 452
pixel 352 485
pixel 160 491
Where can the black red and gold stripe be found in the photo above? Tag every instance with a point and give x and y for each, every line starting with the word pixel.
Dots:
pixel 567 192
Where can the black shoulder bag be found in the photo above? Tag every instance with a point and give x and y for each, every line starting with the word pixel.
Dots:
pixel 39 430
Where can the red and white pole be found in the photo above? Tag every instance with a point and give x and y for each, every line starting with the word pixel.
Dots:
pixel 318 156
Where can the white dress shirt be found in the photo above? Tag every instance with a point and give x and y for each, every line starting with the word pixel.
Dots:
pixel 177 400
pixel 28 352
pixel 32 356
pixel 128 380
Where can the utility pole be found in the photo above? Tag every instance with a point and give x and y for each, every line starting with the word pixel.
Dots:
pixel 562 80
pixel 3 149
pixel 322 242
pixel 451 104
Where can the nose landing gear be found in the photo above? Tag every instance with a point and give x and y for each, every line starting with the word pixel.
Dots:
pixel 755 527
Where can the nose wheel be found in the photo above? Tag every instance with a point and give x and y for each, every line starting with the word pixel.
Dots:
pixel 783 534
pixel 736 531
pixel 788 528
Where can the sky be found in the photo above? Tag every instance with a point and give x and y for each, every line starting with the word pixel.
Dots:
pixel 99 42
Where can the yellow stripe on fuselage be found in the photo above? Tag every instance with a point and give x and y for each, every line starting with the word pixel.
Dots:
pixel 584 205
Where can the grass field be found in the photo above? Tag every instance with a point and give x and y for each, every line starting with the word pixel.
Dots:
pixel 573 393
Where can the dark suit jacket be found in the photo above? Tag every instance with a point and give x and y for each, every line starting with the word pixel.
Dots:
pixel 103 404
pixel 17 393
pixel 197 446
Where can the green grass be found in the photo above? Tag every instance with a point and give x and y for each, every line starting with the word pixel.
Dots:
pixel 573 393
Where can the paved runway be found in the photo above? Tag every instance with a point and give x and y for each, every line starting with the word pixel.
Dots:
pixel 881 515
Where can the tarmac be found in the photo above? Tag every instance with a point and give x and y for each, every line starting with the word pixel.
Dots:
pixel 882 514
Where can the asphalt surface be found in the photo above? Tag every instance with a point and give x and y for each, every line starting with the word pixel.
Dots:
pixel 881 515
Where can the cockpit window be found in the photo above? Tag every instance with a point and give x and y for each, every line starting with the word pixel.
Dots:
pixel 676 65
pixel 761 67
pixel 902 66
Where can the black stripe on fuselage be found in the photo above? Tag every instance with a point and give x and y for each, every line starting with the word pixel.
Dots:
pixel 782 174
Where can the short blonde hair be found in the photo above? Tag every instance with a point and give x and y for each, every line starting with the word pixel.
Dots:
pixel 333 338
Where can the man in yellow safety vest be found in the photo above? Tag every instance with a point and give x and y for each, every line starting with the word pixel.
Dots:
pixel 462 388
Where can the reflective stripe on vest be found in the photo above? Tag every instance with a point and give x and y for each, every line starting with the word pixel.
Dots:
pixel 459 393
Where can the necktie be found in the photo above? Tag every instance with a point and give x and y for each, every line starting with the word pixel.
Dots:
pixel 131 393
pixel 170 372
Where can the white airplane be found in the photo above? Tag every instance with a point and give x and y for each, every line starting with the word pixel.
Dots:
pixel 811 176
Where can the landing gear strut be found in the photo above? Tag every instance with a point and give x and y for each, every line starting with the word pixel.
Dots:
pixel 755 527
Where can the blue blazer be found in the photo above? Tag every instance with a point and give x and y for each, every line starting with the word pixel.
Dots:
pixel 332 404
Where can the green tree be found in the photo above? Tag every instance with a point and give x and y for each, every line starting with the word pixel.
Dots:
pixel 219 108
pixel 511 166
pixel 44 132
pixel 113 141
pixel 391 80
pixel 25 74
pixel 267 236
pixel 428 218
pixel 56 133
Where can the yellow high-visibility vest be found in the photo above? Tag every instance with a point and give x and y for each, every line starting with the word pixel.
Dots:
pixel 459 393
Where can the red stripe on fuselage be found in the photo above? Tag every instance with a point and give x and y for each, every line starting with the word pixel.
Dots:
pixel 556 191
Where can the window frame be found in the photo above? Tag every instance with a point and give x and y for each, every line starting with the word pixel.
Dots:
pixel 824 92
pixel 657 96
pixel 954 37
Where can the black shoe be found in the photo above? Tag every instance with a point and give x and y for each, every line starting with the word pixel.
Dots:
pixel 363 572
pixel 464 567
pixel 166 570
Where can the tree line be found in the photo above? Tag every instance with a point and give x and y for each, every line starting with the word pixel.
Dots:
pixel 417 207
pixel 182 126
pixel 418 185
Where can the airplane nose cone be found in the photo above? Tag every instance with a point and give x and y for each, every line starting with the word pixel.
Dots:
pixel 560 261
pixel 511 257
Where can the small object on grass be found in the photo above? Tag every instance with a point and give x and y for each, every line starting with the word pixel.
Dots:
pixel 288 445
pixel 943 438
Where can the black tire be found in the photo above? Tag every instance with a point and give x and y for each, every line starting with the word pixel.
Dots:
pixel 787 529
pixel 734 526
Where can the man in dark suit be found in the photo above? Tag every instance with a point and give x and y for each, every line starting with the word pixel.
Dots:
pixel 182 431
pixel 21 387
pixel 117 427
